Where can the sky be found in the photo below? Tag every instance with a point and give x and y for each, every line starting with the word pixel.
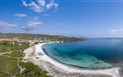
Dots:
pixel 80 18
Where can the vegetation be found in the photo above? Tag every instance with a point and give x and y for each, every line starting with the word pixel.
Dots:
pixel 15 47
pixel 11 53
pixel 5 46
pixel 8 66
pixel 39 37
pixel 32 70
pixel 9 62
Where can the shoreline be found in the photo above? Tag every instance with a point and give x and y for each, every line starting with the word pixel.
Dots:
pixel 57 69
pixel 45 57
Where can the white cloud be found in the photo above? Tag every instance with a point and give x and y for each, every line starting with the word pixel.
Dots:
pixel 114 31
pixel 32 24
pixel 56 5
pixel 6 25
pixel 42 2
pixel 36 7
pixel 51 4
pixel 20 15
pixel 40 5
pixel 24 3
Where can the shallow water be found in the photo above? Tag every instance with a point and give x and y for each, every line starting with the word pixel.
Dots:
pixel 90 54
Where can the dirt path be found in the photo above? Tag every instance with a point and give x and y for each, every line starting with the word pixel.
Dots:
pixel 3 53
pixel 21 69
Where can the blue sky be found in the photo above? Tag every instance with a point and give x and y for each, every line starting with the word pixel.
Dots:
pixel 82 18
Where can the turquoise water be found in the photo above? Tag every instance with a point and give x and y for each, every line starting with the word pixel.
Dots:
pixel 90 54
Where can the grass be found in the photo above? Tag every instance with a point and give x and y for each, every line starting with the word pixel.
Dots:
pixel 32 70
pixel 4 75
pixel 8 62
pixel 4 48
pixel 8 66
pixel 16 54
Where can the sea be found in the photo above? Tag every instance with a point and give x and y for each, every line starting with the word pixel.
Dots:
pixel 89 54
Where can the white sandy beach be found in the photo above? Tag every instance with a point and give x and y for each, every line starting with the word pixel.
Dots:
pixel 113 72
pixel 52 66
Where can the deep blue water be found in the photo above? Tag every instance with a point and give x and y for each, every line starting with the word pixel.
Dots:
pixel 90 54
